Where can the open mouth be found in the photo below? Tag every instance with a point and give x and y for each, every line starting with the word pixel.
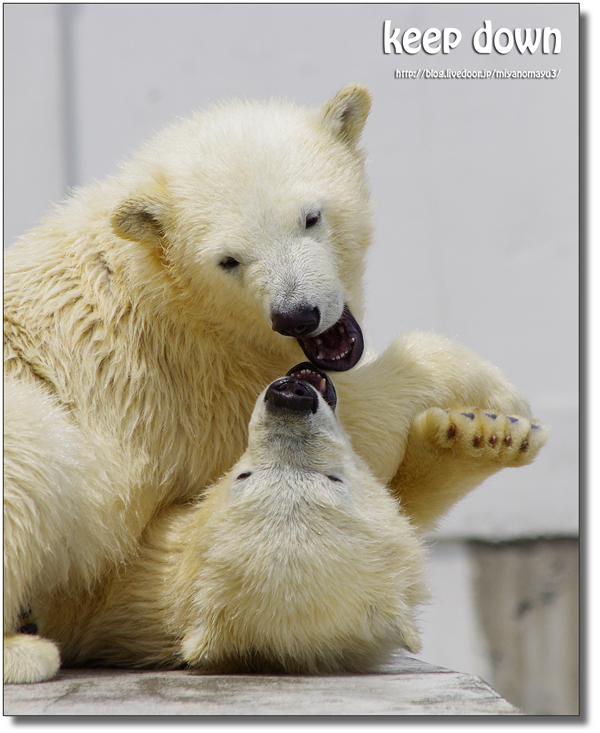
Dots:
pixel 337 349
pixel 306 372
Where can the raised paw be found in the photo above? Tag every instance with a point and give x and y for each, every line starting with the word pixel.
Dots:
pixel 509 440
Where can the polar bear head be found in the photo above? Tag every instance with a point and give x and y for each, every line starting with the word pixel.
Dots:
pixel 258 211
pixel 299 560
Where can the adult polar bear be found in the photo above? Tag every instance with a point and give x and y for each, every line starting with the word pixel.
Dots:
pixel 143 319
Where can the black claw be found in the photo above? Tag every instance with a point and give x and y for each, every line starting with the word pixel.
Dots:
pixel 491 414
pixel 513 419
pixel 470 415
pixel 534 427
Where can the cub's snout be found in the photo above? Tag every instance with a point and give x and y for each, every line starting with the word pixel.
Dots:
pixel 292 394
pixel 299 390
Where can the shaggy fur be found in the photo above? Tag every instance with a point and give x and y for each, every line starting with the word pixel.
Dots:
pixel 134 356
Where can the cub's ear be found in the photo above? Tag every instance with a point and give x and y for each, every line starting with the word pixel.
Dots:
pixel 143 217
pixel 346 113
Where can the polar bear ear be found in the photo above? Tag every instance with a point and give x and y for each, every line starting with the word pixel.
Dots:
pixel 142 217
pixel 135 219
pixel 346 113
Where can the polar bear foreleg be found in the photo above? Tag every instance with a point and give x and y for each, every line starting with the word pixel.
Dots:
pixel 384 407
pixel 450 452
pixel 51 532
pixel 29 658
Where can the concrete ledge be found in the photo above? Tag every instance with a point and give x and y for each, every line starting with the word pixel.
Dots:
pixel 406 687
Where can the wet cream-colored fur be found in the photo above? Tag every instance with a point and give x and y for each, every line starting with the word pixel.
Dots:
pixel 133 358
pixel 298 560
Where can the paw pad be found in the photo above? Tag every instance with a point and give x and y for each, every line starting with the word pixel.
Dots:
pixel 473 434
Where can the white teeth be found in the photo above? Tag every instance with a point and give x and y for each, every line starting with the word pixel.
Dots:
pixel 352 339
pixel 318 341
pixel 341 329
pixel 322 385
pixel 321 355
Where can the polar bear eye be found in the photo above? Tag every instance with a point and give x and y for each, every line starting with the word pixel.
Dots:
pixel 244 475
pixel 312 219
pixel 229 263
pixel 334 478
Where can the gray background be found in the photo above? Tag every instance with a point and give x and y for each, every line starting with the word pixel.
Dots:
pixel 475 185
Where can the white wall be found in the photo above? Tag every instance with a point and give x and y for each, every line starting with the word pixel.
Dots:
pixel 475 182
pixel 34 151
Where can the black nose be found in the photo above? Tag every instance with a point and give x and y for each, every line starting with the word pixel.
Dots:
pixel 292 394
pixel 297 323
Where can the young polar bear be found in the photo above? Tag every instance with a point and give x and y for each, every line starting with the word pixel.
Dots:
pixel 144 317
pixel 298 560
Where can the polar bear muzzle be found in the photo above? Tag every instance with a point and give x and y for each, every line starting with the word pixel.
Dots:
pixel 339 348
pixel 306 372
pixel 289 393
pixel 297 323
pixel 299 390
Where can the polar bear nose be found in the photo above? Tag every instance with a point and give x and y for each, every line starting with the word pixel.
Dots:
pixel 297 323
pixel 292 394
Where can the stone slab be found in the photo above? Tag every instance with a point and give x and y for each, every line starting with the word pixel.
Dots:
pixel 405 687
